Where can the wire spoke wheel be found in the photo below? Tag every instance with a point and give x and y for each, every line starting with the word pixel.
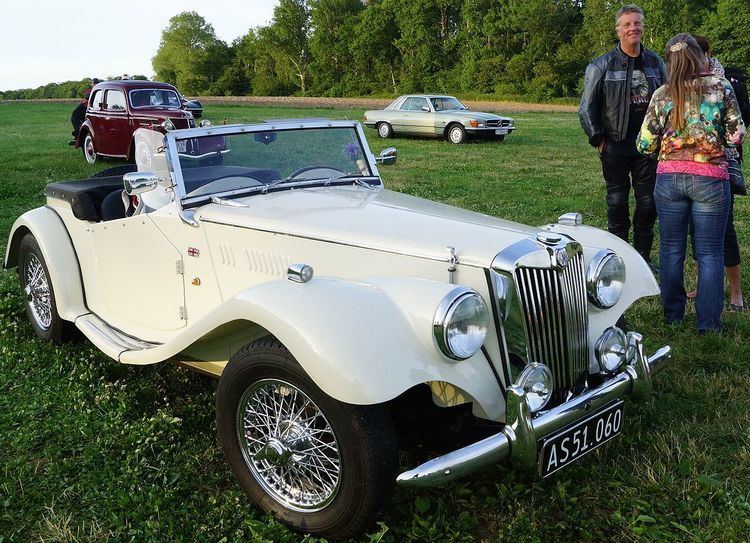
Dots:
pixel 37 291
pixel 289 445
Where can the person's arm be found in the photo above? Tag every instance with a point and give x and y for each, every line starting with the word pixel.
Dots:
pixel 734 128
pixel 662 70
pixel 648 141
pixel 589 111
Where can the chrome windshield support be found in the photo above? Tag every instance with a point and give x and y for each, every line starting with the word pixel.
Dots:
pixel 517 443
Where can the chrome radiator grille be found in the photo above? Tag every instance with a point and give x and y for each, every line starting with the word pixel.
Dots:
pixel 554 308
pixel 498 122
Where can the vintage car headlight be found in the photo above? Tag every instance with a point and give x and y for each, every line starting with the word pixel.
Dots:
pixel 168 125
pixel 537 382
pixel 611 350
pixel 460 323
pixel 605 278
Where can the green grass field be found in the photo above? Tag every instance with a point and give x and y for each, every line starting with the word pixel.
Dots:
pixel 91 450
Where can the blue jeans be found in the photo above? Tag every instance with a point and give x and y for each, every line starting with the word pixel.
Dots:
pixel 705 200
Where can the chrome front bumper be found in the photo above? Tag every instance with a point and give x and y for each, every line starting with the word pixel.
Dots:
pixel 517 442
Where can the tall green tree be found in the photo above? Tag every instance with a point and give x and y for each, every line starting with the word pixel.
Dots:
pixel 289 35
pixel 333 25
pixel 728 29
pixel 190 55
pixel 374 47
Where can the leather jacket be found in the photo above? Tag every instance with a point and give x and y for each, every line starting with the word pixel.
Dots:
pixel 605 104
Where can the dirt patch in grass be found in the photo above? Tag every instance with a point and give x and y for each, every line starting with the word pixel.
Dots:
pixel 364 103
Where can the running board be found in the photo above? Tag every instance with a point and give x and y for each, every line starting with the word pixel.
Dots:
pixel 110 341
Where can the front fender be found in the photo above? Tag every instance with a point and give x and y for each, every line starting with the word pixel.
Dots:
pixel 59 254
pixel 361 342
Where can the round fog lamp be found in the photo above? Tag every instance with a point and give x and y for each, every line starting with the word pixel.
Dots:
pixel 460 324
pixel 537 382
pixel 611 350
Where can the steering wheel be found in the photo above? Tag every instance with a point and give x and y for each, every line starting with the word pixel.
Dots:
pixel 320 171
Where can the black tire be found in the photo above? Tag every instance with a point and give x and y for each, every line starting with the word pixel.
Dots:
pixel 361 448
pixel 456 134
pixel 115 170
pixel 39 295
pixel 384 130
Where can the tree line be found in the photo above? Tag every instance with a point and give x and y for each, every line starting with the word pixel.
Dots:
pixel 534 49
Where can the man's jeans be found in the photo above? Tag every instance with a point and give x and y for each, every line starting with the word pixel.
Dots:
pixel 680 197
pixel 620 163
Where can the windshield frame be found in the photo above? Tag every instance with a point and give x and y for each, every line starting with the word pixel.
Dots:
pixel 186 202
pixel 149 106
pixel 444 97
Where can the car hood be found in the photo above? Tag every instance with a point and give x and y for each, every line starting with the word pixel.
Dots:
pixel 381 220
pixel 468 114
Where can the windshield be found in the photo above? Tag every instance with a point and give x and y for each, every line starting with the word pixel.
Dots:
pixel 446 103
pixel 236 164
pixel 149 98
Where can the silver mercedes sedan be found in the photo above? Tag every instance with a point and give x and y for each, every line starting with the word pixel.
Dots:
pixel 437 115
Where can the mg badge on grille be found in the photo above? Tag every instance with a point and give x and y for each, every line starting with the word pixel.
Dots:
pixel 561 255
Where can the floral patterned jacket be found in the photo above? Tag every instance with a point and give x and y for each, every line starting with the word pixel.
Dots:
pixel 711 127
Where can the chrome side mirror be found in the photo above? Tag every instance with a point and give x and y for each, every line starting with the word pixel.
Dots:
pixel 140 182
pixel 387 156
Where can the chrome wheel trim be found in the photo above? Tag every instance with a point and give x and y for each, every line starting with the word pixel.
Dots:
pixel 37 291
pixel 88 149
pixel 383 130
pixel 288 445
pixel 456 134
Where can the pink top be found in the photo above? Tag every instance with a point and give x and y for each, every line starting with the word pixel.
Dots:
pixel 693 168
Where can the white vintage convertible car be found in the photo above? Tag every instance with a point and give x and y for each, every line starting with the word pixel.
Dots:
pixel 333 310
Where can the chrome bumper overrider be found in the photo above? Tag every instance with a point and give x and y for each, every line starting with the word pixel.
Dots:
pixel 517 442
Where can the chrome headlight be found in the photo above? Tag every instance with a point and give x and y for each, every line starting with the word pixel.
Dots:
pixel 460 323
pixel 611 350
pixel 537 382
pixel 605 278
pixel 168 125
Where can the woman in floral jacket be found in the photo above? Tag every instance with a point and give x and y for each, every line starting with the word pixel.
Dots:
pixel 690 122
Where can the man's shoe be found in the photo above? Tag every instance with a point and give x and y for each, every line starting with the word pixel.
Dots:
pixel 72 142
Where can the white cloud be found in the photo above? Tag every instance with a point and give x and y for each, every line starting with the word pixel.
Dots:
pixel 59 40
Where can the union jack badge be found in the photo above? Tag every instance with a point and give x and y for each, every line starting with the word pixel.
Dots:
pixel 194 251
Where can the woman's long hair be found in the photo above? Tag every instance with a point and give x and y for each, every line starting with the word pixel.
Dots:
pixel 685 59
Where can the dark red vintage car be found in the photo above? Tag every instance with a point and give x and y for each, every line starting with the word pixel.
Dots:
pixel 118 108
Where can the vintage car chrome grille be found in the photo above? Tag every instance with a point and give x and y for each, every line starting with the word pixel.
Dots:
pixel 498 122
pixel 554 308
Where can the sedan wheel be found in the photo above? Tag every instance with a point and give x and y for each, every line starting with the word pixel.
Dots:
pixel 457 134
pixel 320 465
pixel 88 149
pixel 385 130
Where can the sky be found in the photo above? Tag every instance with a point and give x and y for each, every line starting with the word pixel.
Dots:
pixel 46 41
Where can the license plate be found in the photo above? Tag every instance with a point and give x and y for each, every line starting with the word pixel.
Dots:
pixel 181 146
pixel 571 443
pixel 501 131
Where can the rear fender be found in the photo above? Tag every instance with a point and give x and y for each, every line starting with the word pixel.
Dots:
pixel 58 252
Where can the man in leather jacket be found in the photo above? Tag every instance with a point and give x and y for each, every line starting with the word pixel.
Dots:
pixel 617 89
